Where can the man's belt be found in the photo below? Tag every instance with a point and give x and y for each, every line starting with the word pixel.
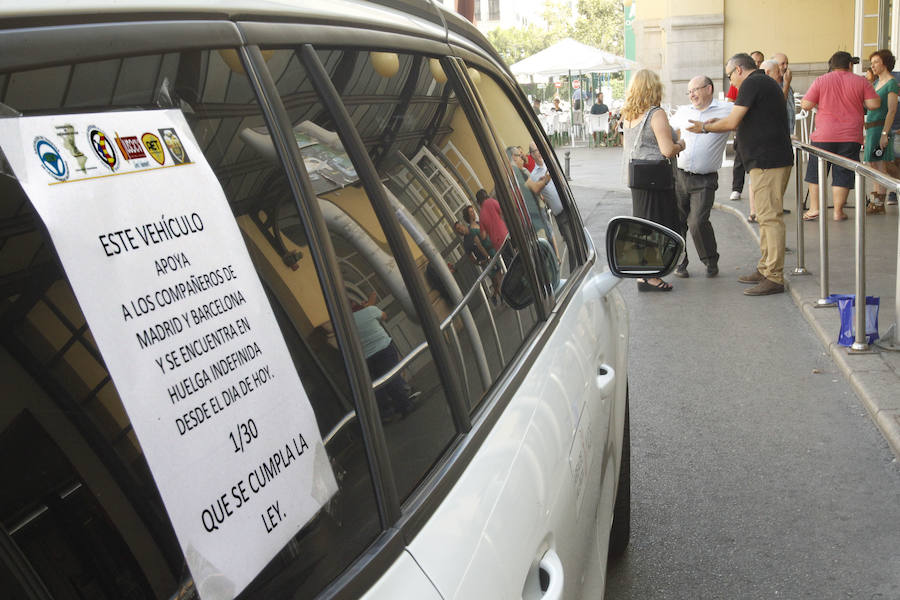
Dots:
pixel 874 124
pixel 696 174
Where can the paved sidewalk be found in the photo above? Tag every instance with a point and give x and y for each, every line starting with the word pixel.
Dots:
pixel 874 377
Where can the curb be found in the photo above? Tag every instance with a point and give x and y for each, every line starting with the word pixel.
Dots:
pixel 871 376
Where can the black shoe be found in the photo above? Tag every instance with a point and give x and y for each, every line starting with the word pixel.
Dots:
pixel 411 404
pixel 712 269
pixel 681 271
pixel 391 416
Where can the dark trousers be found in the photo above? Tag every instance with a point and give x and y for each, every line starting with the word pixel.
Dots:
pixel 694 197
pixel 737 172
pixel 393 395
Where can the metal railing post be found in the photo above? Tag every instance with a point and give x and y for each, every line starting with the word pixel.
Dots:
pixel 823 240
pixel 859 342
pixel 800 269
pixel 891 339
pixel 863 173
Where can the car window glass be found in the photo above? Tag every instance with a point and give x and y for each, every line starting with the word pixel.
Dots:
pixel 412 402
pixel 84 513
pixel 434 172
pixel 544 202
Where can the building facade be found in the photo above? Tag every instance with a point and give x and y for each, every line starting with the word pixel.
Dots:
pixel 683 38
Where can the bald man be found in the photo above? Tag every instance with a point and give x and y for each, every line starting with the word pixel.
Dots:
pixel 786 74
pixel 773 70
pixel 758 115
pixel 697 177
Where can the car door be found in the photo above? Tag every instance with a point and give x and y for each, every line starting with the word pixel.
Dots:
pixel 523 519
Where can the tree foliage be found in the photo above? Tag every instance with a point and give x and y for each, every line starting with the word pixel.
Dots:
pixel 516 43
pixel 601 23
pixel 598 23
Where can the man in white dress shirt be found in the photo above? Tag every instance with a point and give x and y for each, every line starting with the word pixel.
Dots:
pixel 697 177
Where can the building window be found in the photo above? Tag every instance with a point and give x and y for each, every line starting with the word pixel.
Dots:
pixel 493 10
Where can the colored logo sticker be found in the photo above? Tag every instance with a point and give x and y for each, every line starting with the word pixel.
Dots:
pixel 130 147
pixel 51 159
pixel 154 147
pixel 66 134
pixel 103 148
pixel 173 143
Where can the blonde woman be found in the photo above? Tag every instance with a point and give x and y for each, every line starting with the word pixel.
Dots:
pixel 648 135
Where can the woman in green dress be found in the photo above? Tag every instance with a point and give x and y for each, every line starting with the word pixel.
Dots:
pixel 879 141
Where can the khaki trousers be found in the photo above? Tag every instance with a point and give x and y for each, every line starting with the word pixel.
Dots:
pixel 768 196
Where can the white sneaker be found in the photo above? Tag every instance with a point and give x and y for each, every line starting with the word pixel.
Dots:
pixel 735 196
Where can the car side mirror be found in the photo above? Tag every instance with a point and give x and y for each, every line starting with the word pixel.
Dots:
pixel 515 289
pixel 640 248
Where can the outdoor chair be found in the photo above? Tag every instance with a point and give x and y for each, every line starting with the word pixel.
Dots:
pixel 545 122
pixel 553 127
pixel 577 129
pixel 598 129
pixel 565 125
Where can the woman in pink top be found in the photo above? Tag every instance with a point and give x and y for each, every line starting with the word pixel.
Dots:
pixel 841 98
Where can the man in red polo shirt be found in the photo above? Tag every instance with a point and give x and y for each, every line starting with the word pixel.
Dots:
pixel 490 218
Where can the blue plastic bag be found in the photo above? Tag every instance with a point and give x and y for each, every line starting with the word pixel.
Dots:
pixel 846 304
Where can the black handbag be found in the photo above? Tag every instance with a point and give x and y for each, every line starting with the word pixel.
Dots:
pixel 649 174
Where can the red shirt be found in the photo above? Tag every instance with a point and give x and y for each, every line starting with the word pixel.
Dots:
pixel 732 93
pixel 839 96
pixel 491 220
pixel 529 162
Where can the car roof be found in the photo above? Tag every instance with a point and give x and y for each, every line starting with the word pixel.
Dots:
pixel 399 16
pixel 334 11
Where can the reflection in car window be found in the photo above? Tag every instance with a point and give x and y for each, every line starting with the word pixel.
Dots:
pixel 84 514
pixel 409 394
pixel 548 216
pixel 439 184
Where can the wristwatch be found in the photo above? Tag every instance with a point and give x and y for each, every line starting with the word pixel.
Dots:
pixel 703 127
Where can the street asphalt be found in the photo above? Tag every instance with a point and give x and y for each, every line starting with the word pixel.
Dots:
pixel 757 470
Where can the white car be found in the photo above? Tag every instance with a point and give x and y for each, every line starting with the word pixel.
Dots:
pixel 405 377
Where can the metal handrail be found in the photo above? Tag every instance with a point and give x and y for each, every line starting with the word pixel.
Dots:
pixel 387 376
pixel 891 339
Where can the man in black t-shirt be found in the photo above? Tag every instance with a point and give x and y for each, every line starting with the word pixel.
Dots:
pixel 764 144
pixel 598 107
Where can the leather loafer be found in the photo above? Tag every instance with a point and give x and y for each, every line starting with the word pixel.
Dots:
pixel 754 277
pixel 681 271
pixel 712 269
pixel 764 288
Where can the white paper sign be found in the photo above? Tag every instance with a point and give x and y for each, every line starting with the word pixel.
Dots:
pixel 159 267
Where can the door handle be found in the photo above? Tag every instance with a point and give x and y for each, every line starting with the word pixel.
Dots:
pixel 606 376
pixel 551 575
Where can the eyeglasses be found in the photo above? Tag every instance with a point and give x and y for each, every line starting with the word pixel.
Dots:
pixel 534 151
pixel 730 73
pixel 697 89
